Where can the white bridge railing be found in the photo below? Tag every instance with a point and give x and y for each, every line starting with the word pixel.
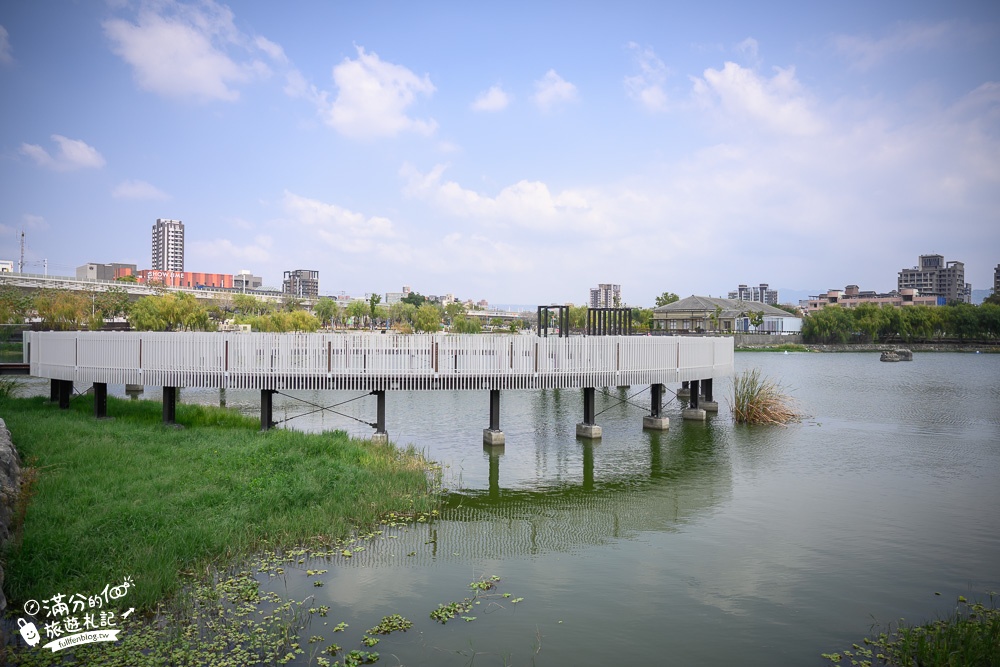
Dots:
pixel 373 361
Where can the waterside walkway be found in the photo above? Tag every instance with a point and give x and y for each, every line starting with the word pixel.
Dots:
pixel 378 363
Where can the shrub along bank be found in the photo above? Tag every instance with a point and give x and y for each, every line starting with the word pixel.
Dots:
pixel 131 497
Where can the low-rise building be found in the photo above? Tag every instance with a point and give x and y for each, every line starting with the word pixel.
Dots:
pixel 761 293
pixel 702 314
pixel 246 280
pixel 851 297
pixel 112 271
pixel 188 279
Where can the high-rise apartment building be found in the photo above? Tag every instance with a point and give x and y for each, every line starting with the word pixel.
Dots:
pixel 301 283
pixel 934 276
pixel 605 296
pixel 168 245
pixel 996 280
pixel 759 293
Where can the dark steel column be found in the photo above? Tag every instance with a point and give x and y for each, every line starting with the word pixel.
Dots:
pixel 266 400
pixel 707 384
pixel 54 390
pixel 656 399
pixel 380 412
pixel 694 393
pixel 588 405
pixel 170 405
pixel 101 400
pixel 494 409
pixel 65 393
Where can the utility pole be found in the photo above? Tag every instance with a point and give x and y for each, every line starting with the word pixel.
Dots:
pixel 20 264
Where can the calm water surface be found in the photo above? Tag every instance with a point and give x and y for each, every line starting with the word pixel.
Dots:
pixel 708 544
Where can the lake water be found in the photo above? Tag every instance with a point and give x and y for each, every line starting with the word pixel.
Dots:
pixel 708 544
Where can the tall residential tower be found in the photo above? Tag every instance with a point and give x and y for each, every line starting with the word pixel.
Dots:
pixel 168 245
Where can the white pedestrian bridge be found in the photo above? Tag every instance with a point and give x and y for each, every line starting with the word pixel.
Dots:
pixel 372 362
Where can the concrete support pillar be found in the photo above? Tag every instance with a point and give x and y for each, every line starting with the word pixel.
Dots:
pixel 694 411
pixel 380 434
pixel 685 390
pixel 655 420
pixel 101 400
pixel 133 391
pixel 266 413
pixel 170 405
pixel 65 393
pixel 493 435
pixel 222 397
pixel 588 429
pixel 709 404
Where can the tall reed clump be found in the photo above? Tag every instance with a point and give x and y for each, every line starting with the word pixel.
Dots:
pixel 759 400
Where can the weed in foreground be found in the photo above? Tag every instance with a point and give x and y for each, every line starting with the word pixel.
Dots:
pixel 968 637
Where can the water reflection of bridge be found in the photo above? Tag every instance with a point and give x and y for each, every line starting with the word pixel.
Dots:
pixel 684 477
pixel 375 363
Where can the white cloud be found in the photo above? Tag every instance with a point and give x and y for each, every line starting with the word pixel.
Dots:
pixel 274 51
pixel 866 52
pixel 526 204
pixel 184 51
pixel 740 95
pixel 748 47
pixel 135 189
pixel 6 51
pixel 373 98
pixel 646 88
pixel 336 226
pixel 494 99
pixel 71 154
pixel 552 90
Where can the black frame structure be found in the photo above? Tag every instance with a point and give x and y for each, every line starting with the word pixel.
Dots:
pixel 609 321
pixel 562 317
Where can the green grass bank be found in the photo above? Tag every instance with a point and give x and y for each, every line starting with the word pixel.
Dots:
pixel 131 496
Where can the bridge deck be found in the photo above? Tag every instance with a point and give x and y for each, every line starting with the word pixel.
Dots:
pixel 368 361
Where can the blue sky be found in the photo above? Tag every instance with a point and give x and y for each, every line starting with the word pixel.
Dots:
pixel 517 152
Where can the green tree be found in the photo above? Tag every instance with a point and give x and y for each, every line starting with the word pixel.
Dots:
pixel 373 301
pixel 402 312
pixel 714 317
pixel 62 309
pixel 869 320
pixel 248 304
pixel 112 303
pixel 14 305
pixel 756 319
pixel 453 310
pixel 427 318
pixel 169 312
pixel 326 309
pixel 665 298
pixel 290 304
pixel 415 299
pixel 466 325
pixel 357 310
pixel 578 317
pixel 127 279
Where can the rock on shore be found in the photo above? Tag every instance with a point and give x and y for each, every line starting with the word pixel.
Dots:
pixel 10 484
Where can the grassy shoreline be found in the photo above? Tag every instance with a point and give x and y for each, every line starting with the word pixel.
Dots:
pixel 130 497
